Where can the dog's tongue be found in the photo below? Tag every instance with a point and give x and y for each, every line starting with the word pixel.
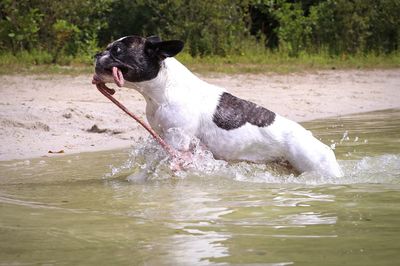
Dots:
pixel 118 77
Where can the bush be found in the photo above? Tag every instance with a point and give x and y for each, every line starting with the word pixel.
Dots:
pixel 207 27
pixel 77 28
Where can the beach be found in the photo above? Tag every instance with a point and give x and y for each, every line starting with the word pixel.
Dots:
pixel 52 115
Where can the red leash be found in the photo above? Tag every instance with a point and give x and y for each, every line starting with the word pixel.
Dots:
pixel 107 92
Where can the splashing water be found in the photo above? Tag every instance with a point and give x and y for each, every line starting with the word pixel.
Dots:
pixel 147 161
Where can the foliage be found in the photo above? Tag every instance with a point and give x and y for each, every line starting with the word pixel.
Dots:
pixel 207 27
pixel 73 30
pixel 19 25
pixel 64 27
pixel 65 34
pixel 295 28
pixel 339 26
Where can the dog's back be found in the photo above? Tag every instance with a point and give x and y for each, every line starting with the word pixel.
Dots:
pixel 234 129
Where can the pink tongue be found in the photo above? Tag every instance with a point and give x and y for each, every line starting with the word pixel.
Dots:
pixel 118 77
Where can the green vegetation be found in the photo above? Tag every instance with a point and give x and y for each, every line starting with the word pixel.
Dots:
pixel 220 35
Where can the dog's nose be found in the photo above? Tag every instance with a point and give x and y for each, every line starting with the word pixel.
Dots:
pixel 98 55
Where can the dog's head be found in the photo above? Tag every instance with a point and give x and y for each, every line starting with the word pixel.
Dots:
pixel 136 58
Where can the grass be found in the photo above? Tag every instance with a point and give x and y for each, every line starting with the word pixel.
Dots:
pixel 38 62
pixel 254 61
pixel 282 63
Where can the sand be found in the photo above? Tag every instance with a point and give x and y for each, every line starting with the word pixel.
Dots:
pixel 48 115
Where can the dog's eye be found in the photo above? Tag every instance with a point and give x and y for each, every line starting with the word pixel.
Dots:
pixel 116 50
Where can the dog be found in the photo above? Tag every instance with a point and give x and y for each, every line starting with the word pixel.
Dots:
pixel 233 129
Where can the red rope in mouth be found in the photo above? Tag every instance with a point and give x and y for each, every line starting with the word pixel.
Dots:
pixel 107 92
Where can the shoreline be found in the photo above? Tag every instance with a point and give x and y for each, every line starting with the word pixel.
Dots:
pixel 42 113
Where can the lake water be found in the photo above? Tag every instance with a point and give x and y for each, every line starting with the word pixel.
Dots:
pixel 125 208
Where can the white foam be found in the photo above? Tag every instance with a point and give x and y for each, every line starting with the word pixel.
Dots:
pixel 147 161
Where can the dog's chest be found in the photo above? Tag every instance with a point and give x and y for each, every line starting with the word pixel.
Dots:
pixel 183 107
pixel 172 115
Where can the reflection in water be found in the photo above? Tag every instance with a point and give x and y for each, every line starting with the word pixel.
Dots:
pixel 125 207
pixel 197 248
pixel 197 243
pixel 309 218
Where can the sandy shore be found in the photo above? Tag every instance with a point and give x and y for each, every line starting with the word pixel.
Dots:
pixel 67 114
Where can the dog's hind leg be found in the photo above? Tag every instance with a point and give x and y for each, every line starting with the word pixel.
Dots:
pixel 308 154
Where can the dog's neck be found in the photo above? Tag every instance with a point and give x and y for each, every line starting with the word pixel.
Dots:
pixel 172 77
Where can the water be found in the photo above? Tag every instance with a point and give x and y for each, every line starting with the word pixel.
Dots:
pixel 125 208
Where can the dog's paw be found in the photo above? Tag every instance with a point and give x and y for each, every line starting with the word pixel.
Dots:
pixel 181 161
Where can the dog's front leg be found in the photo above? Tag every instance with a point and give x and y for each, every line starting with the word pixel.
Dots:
pixel 187 146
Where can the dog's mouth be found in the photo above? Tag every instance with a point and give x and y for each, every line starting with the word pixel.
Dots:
pixel 118 75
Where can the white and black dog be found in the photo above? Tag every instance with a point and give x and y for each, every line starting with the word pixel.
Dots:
pixel 231 128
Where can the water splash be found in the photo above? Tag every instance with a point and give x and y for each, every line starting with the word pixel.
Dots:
pixel 147 161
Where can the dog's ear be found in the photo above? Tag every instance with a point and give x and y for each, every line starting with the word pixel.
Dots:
pixel 153 39
pixel 156 47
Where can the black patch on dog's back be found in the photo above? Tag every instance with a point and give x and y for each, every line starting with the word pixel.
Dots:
pixel 233 112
